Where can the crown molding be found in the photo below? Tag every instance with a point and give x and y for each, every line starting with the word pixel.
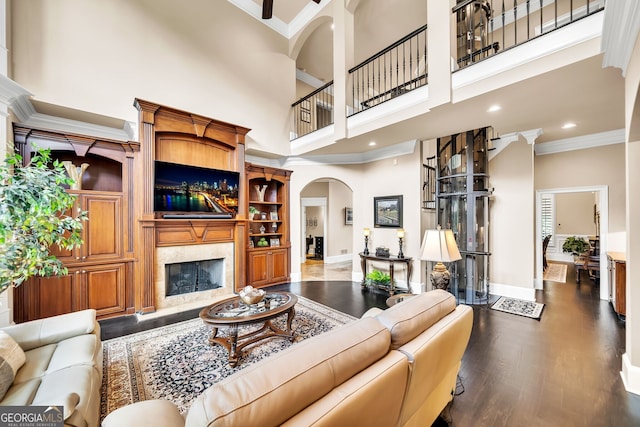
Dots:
pixel 401 149
pixel 581 142
pixel 620 32
pixel 54 123
pixel 15 97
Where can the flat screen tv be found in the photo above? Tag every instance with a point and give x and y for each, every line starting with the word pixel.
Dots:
pixel 181 190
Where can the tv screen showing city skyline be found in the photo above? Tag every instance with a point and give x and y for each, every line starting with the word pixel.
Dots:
pixel 182 188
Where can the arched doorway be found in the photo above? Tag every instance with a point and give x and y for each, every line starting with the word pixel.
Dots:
pixel 326 237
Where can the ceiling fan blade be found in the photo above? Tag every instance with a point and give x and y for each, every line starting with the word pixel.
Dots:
pixel 267 9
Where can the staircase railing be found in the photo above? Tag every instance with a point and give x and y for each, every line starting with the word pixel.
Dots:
pixel 395 70
pixel 485 27
pixel 314 111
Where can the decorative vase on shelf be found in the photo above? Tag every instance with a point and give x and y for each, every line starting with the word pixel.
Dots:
pixel 261 190
pixel 75 173
pixel 262 229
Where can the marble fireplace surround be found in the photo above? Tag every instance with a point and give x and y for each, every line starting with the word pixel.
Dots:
pixel 174 254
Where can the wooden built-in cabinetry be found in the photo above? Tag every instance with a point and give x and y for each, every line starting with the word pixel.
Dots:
pixel 100 271
pixel 618 282
pixel 269 252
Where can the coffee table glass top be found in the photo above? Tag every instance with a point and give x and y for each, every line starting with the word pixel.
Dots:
pixel 236 308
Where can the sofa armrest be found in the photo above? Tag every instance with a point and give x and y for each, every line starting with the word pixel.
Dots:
pixel 37 333
pixel 157 413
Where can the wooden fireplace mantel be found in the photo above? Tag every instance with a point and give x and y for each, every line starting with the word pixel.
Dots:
pixel 176 136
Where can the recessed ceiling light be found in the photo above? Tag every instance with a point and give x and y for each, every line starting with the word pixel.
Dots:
pixel 372 143
pixel 568 125
pixel 494 108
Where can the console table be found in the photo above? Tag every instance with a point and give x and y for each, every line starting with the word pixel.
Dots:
pixel 391 260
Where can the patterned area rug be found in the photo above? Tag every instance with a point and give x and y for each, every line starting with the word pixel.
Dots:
pixel 555 273
pixel 519 307
pixel 177 363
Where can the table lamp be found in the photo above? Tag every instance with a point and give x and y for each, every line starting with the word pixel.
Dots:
pixel 440 246
pixel 400 237
pixel 366 233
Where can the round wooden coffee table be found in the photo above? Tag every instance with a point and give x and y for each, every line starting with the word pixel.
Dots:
pixel 233 312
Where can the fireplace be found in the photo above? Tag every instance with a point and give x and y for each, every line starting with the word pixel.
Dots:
pixel 193 276
pixel 189 276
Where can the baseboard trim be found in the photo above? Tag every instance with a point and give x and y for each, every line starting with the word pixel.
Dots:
pixel 338 258
pixel 630 375
pixel 527 294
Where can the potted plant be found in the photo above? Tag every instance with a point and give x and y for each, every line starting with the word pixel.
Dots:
pixel 575 246
pixel 252 211
pixel 34 209
pixel 378 278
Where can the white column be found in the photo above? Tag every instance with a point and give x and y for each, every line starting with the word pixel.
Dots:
pixel 342 61
pixel 631 357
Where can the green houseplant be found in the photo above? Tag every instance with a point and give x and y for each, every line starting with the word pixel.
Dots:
pixel 575 245
pixel 34 208
pixel 377 278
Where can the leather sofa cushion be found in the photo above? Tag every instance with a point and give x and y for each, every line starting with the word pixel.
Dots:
pixel 373 397
pixel 159 413
pixel 414 315
pixel 84 380
pixel 80 350
pixel 11 359
pixel 285 383
pixel 37 333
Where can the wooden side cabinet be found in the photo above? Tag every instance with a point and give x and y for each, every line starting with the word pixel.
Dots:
pixel 269 247
pixel 100 271
pixel 618 282
pixel 101 287
pixel 268 266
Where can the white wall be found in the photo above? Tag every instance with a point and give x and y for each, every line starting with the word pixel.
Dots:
pixel 394 176
pixel 340 243
pixel 587 168
pixel 512 222
pixel 98 56
pixel 574 213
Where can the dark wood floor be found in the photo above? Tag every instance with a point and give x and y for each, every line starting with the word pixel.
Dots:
pixel 563 370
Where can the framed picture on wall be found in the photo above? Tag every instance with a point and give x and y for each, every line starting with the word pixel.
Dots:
pixel 387 211
pixel 348 216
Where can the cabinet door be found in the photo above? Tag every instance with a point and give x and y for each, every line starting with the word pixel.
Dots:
pixel 103 231
pixel 45 297
pixel 105 290
pixel 258 268
pixel 279 263
pixel 621 285
pixel 68 255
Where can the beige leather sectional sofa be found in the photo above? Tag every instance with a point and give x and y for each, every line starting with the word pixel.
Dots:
pixel 61 365
pixel 396 367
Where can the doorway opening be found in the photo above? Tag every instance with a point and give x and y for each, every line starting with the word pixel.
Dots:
pixel 326 230
pixel 600 213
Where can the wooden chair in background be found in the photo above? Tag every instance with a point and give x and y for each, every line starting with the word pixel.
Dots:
pixel 545 244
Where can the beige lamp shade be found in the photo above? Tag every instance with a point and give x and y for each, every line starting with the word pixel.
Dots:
pixel 439 245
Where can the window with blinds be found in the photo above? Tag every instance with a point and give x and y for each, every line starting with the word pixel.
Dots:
pixel 548 215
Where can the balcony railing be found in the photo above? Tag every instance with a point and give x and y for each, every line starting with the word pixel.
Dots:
pixel 485 27
pixel 314 111
pixel 397 69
